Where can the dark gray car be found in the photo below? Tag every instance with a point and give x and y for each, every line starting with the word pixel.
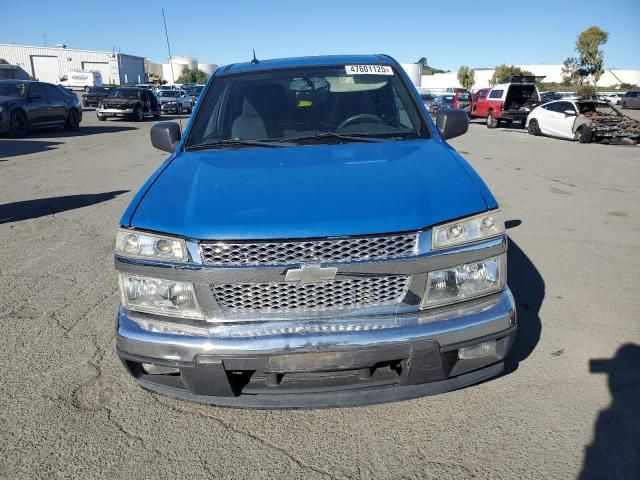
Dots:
pixel 631 99
pixel 27 105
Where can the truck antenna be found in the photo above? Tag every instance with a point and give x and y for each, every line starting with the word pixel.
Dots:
pixel 255 60
pixel 166 34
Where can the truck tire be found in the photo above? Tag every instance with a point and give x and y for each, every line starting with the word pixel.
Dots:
pixel 534 128
pixel 584 134
pixel 138 114
pixel 492 122
pixel 18 124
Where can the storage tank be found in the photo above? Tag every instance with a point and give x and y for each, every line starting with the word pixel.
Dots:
pixel 207 68
pixel 189 62
pixel 414 71
pixel 178 69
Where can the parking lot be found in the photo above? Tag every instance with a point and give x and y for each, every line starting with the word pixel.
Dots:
pixel 567 404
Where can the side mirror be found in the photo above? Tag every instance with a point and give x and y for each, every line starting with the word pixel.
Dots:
pixel 452 122
pixel 165 136
pixel 570 113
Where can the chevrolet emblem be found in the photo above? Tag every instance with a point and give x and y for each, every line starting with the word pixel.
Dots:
pixel 310 274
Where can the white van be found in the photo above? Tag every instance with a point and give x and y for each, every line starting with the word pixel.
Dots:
pixel 81 80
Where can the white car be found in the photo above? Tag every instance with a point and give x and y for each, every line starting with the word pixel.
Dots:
pixel 583 120
pixel 613 98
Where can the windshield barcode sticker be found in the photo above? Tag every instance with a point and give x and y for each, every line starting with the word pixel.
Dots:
pixel 368 70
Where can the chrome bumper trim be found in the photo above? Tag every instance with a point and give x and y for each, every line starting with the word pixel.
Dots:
pixel 468 321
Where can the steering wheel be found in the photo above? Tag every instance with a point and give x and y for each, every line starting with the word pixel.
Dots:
pixel 360 118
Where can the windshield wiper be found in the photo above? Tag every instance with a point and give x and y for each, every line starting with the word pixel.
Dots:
pixel 358 137
pixel 354 137
pixel 236 142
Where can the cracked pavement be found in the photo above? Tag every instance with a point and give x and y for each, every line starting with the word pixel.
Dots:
pixel 68 409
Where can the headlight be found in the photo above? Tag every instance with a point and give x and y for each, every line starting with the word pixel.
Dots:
pixel 162 297
pixel 466 281
pixel 486 225
pixel 147 245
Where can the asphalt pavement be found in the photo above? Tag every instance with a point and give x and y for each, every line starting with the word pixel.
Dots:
pixel 567 405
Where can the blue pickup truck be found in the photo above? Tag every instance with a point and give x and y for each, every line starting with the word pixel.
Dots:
pixel 312 241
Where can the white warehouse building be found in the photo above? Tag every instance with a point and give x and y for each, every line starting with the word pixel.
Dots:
pixel 49 64
pixel 551 73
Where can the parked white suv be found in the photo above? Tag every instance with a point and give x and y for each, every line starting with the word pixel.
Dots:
pixel 81 80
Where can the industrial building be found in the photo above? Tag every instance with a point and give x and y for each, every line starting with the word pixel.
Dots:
pixel 170 72
pixel 49 64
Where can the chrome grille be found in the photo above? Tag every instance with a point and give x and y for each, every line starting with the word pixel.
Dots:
pixel 324 250
pixel 330 295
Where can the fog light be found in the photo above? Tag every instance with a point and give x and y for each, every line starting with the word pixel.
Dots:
pixel 152 369
pixel 484 349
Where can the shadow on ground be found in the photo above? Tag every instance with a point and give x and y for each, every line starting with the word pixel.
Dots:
pixel 83 131
pixel 41 207
pixel 615 451
pixel 528 288
pixel 14 148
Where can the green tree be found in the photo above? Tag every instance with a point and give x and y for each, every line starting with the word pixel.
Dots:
pixel 503 72
pixel 466 77
pixel 588 47
pixel 571 72
pixel 192 76
pixel 585 90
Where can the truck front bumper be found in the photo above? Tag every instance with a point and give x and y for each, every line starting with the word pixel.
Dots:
pixel 300 365
pixel 114 112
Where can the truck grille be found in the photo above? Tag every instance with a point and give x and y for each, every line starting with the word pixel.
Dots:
pixel 331 295
pixel 323 250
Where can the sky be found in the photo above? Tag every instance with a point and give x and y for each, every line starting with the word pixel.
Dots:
pixel 448 34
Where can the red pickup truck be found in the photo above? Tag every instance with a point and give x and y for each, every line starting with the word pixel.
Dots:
pixel 506 102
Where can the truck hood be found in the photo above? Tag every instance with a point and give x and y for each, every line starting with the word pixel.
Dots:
pixel 308 191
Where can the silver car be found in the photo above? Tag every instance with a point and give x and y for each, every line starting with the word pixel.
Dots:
pixel 174 101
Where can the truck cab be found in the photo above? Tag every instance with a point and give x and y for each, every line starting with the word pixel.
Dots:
pixel 505 103
pixel 312 240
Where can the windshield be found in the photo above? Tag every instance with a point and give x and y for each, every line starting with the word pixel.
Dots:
pixel 98 90
pixel 16 89
pixel 124 93
pixel 300 104
pixel 169 93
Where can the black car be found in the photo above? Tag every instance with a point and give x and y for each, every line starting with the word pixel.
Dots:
pixel 130 102
pixel 27 105
pixel 441 101
pixel 549 96
pixel 94 95
pixel 427 99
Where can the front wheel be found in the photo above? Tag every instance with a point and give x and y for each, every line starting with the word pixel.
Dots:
pixel 157 114
pixel 179 109
pixel 533 128
pixel 584 134
pixel 18 124
pixel 138 114
pixel 492 122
